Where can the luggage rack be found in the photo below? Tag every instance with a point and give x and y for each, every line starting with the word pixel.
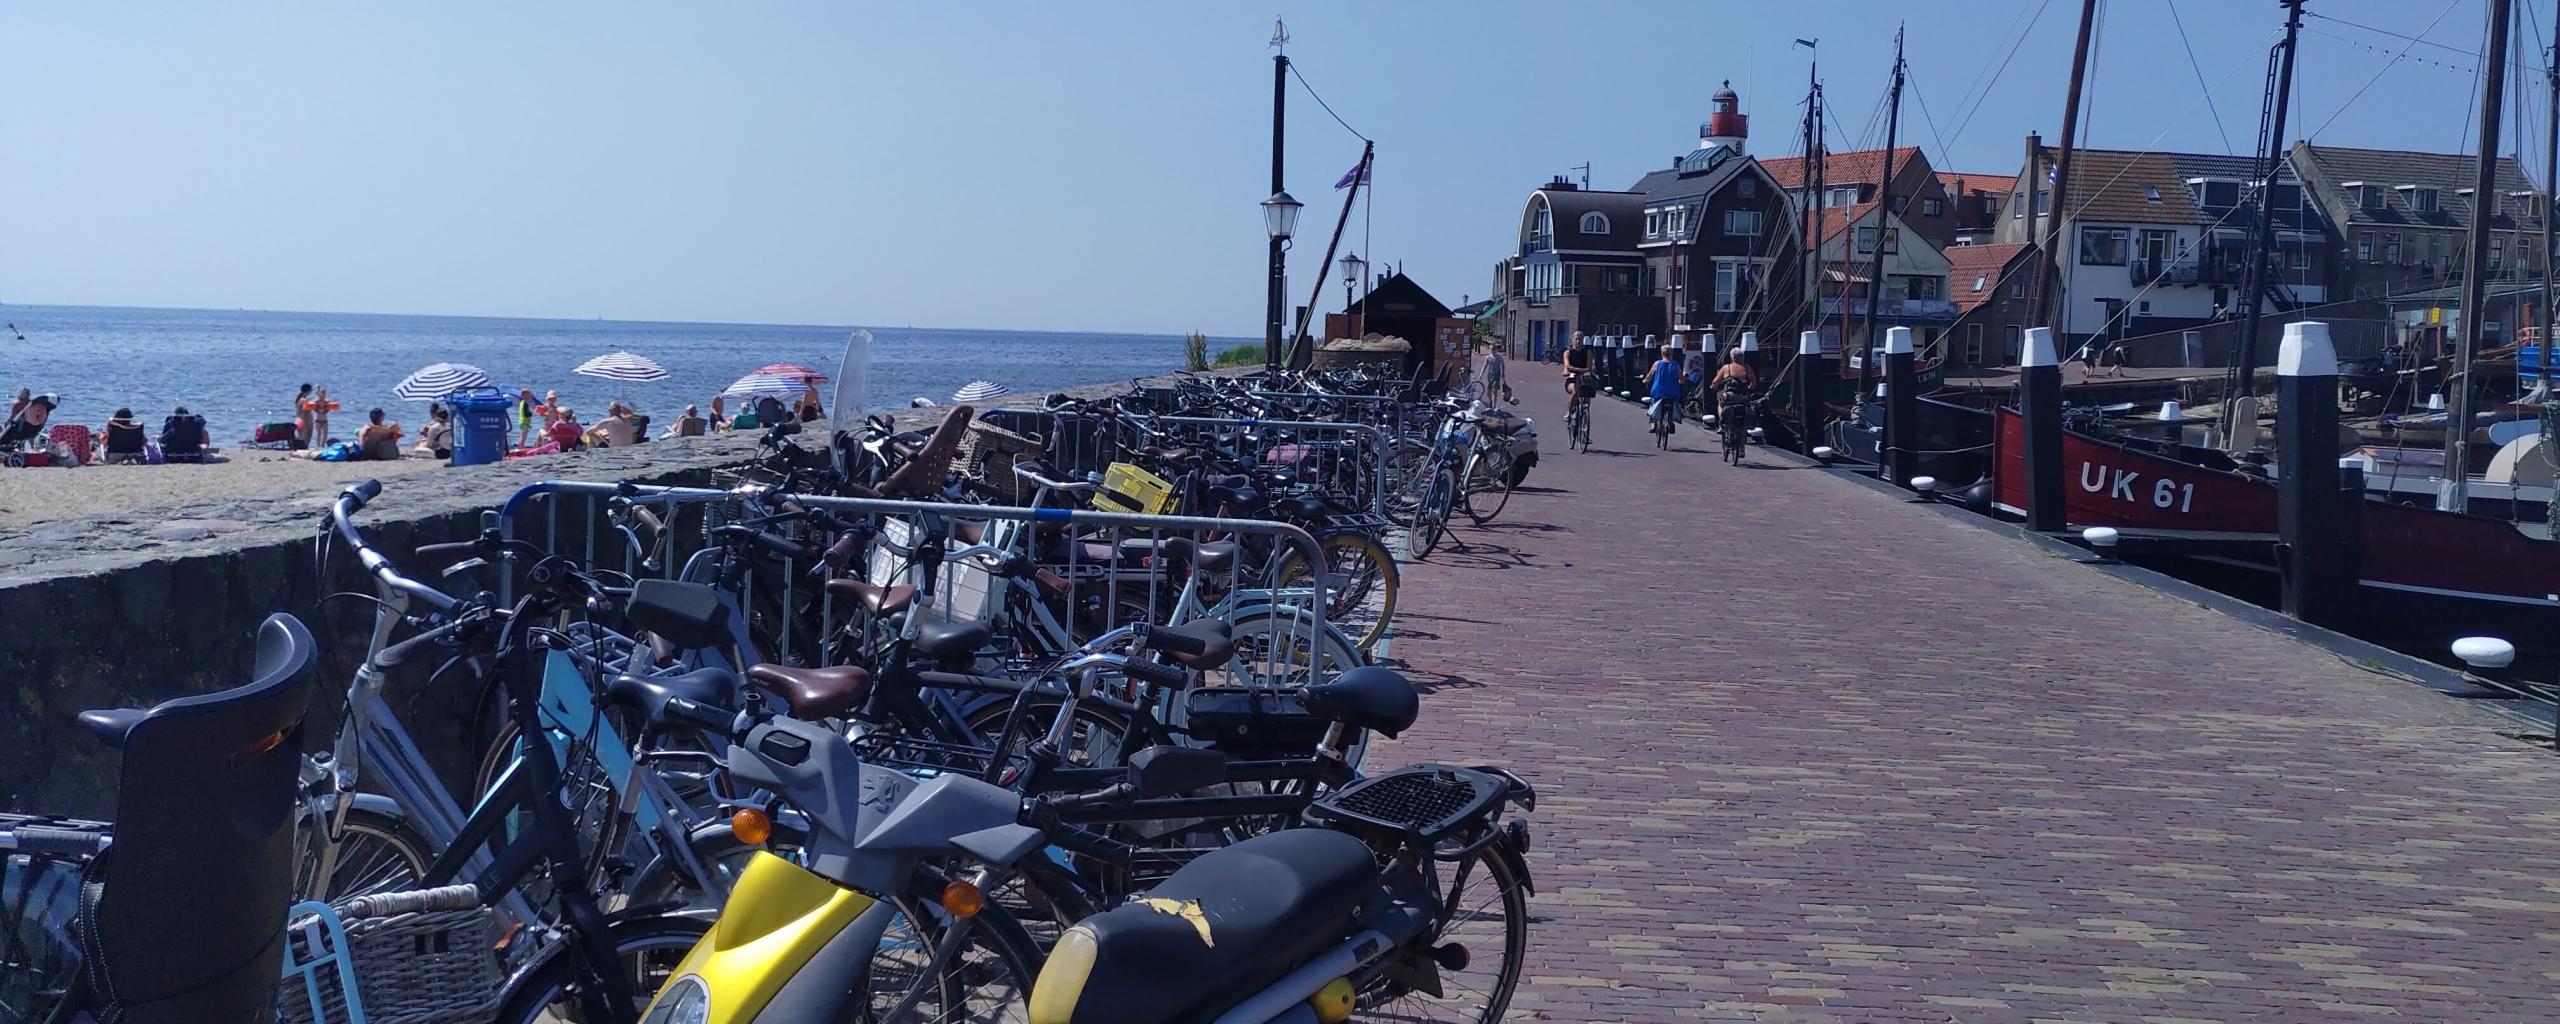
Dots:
pixel 1425 803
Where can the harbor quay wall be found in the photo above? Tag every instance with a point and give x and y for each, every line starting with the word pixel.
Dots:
pixel 131 609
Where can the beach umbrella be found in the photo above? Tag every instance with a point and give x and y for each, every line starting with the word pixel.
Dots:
pixel 622 366
pixel 979 391
pixel 761 384
pixel 794 371
pixel 434 382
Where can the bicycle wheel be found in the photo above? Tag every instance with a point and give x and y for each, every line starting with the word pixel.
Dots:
pixel 375 853
pixel 648 949
pixel 987 979
pixel 1432 521
pixel 1360 583
pixel 1279 646
pixel 1489 920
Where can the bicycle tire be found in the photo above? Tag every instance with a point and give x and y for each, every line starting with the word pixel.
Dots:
pixel 376 853
pixel 1432 522
pixel 1501 494
pixel 649 947
pixel 1347 607
pixel 1381 1001
pixel 993 930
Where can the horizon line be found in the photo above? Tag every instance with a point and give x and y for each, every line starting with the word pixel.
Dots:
pixel 597 319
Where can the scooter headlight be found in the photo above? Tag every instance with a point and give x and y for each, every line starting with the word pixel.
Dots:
pixel 687 1001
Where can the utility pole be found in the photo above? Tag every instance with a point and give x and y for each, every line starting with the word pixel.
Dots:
pixel 2049 302
pixel 2271 153
pixel 1278 292
pixel 1867 368
pixel 2454 495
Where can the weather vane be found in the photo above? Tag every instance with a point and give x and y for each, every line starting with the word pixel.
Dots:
pixel 1279 35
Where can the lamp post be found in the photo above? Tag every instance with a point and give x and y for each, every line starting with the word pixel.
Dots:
pixel 1352 267
pixel 1279 220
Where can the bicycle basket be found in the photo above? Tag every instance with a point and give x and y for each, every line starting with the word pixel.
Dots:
pixel 1588 387
pixel 1423 803
pixel 1131 489
pixel 421 957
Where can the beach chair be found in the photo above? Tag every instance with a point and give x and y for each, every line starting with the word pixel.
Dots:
pixel 182 438
pixel 75 437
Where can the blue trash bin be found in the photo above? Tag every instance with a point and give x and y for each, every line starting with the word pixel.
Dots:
pixel 479 425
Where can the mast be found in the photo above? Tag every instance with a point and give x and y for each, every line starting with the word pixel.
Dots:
pixel 2048 301
pixel 1276 298
pixel 2271 160
pixel 1813 187
pixel 1884 228
pixel 2454 494
pixel 2550 191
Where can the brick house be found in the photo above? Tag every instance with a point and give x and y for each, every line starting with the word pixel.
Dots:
pixel 1988 284
pixel 1857 177
pixel 1576 267
pixel 2400 221
pixel 1976 200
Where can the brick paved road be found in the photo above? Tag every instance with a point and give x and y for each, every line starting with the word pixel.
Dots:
pixel 1809 754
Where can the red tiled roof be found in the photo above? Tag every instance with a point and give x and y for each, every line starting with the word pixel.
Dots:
pixel 1841 218
pixel 1958 183
pixel 1969 263
pixel 1865 165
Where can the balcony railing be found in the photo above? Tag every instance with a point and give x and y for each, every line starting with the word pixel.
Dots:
pixel 1916 310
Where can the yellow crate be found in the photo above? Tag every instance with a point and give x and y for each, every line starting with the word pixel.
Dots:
pixel 1131 489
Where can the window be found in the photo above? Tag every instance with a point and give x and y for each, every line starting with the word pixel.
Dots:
pixel 2221 193
pixel 2497 253
pixel 2288 197
pixel 1978 281
pixel 1991 206
pixel 1973 344
pixel 1920 287
pixel 2391 247
pixel 1652 223
pixel 2011 343
pixel 1619 280
pixel 1679 219
pixel 1846 195
pixel 2017 211
pixel 2017 289
pixel 2104 247
pixel 1595 223
pixel 2302 259
pixel 2151 193
pixel 2044 202
pixel 1867 239
pixel 1932 208
pixel 2422 200
pixel 1742 223
pixel 1728 284
pixel 2364 247
pixel 2146 305
pixel 1747 187
pixel 2366 196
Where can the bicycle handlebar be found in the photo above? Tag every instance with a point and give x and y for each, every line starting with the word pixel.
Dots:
pixel 349 502
pixel 56 842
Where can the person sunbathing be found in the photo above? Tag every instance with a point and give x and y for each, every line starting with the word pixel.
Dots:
pixel 125 441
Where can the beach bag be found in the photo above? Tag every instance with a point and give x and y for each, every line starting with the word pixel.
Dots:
pixel 337 451
pixel 272 432
pixel 151 454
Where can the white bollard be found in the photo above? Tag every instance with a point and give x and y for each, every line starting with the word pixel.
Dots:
pixel 2102 542
pixel 2484 652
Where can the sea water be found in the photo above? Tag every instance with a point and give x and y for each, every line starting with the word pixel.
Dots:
pixel 241 368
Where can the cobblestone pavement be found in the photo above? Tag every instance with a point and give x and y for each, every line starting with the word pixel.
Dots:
pixel 1806 753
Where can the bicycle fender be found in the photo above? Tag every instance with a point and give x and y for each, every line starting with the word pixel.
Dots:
pixel 1509 851
pixel 373 802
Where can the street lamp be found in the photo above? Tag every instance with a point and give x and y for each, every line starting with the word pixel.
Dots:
pixel 1280 216
pixel 1352 266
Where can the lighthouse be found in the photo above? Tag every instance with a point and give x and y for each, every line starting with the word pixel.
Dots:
pixel 1727 127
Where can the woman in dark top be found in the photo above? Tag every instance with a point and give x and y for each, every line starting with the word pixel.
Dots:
pixel 125 438
pixel 182 437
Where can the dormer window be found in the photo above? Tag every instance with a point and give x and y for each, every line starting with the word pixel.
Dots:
pixel 2422 199
pixel 2214 192
pixel 1595 223
pixel 2366 196
pixel 2151 193
pixel 1978 281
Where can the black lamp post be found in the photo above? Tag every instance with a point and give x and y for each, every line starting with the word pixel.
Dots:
pixel 1279 220
pixel 1352 266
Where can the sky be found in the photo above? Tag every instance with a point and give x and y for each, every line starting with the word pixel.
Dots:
pixel 1040 166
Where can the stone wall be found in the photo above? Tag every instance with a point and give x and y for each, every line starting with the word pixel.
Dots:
pixel 151 614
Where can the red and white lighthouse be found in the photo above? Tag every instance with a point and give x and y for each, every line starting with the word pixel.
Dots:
pixel 1728 126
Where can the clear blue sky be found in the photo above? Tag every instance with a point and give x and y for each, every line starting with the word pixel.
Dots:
pixel 1087 166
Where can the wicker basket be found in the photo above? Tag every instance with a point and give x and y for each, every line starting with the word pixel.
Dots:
pixel 988 453
pixel 421 957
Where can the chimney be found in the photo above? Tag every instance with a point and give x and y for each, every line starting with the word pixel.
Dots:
pixel 1560 184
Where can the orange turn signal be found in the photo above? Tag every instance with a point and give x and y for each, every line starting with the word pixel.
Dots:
pixel 963 899
pixel 751 826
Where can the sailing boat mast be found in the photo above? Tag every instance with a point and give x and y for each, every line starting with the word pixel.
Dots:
pixel 1812 261
pixel 2048 300
pixel 2454 494
pixel 1884 229
pixel 2271 158
pixel 2550 191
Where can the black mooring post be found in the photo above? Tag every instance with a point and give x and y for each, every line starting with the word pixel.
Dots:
pixel 1901 407
pixel 2040 414
pixel 2351 533
pixel 2308 513
pixel 1809 378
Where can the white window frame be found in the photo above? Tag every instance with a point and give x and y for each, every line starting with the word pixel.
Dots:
pixel 1973 344
pixel 1585 223
pixel 2012 342
pixel 1728 285
pixel 1752 215
pixel 2364 247
pixel 1932 207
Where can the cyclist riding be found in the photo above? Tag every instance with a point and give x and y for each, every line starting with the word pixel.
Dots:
pixel 1733 387
pixel 1736 371
pixel 1662 389
pixel 1578 361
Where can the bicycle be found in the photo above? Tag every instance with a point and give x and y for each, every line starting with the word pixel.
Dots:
pixel 1661 417
pixel 1733 426
pixel 1577 415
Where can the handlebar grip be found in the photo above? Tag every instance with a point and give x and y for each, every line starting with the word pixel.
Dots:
pixel 705 717
pixel 60 842
pixel 1161 675
pixel 1092 844
pixel 1169 642
pixel 772 542
pixel 401 652
pixel 363 493
pixel 447 553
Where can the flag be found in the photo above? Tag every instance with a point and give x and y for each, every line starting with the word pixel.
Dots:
pixel 1357 175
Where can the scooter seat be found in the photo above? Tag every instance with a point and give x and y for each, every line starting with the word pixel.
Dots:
pixel 1220 929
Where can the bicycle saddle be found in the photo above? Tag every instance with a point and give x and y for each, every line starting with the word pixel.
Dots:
pixel 880 601
pixel 1210 555
pixel 814 693
pixel 948 640
pixel 1223 927
pixel 648 695
pixel 1371 697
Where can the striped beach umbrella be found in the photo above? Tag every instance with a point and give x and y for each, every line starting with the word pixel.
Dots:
pixel 761 384
pixel 794 371
pixel 432 383
pixel 979 391
pixel 622 366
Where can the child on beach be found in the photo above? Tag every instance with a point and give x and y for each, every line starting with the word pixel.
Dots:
pixel 525 409
pixel 319 407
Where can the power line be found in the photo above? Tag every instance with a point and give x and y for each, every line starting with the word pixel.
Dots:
pixel 2199 70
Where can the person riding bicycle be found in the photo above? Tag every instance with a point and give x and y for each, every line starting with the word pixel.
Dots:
pixel 1662 386
pixel 1578 360
pixel 1733 386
